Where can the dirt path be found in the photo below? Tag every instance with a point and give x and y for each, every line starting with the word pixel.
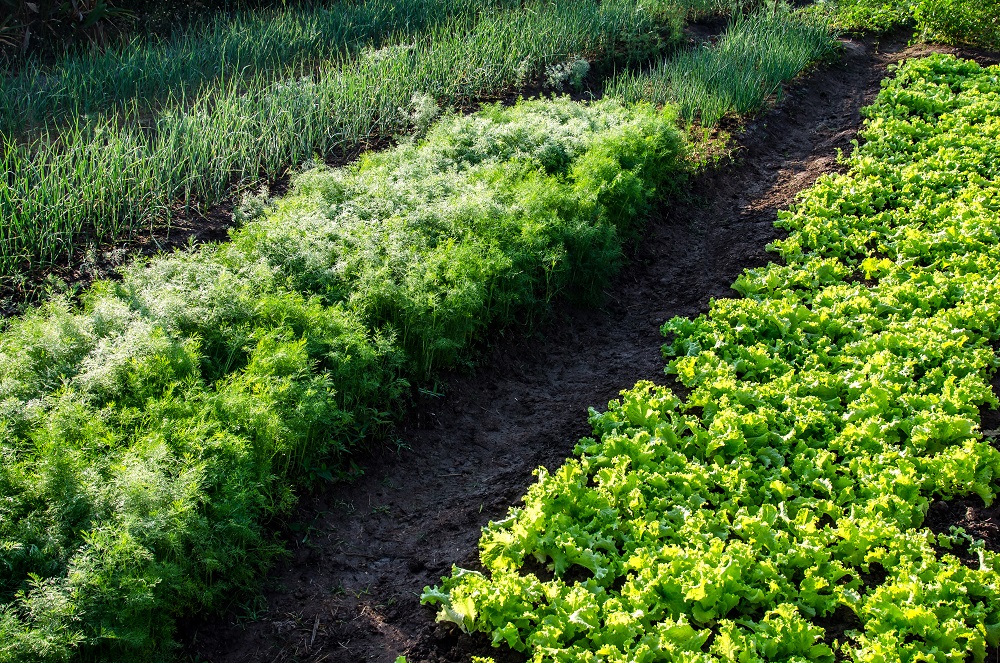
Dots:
pixel 349 592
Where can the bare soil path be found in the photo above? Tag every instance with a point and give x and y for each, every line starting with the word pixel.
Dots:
pixel 363 552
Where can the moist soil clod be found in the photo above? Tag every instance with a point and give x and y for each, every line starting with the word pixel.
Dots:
pixel 363 551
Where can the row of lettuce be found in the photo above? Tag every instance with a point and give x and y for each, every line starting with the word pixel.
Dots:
pixel 777 512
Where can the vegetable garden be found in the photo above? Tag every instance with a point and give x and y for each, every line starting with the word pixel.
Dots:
pixel 157 429
pixel 827 407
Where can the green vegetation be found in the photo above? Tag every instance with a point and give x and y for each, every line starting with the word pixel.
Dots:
pixel 756 54
pixel 151 434
pixel 108 175
pixel 149 437
pixel 248 49
pixel 974 22
pixel 827 408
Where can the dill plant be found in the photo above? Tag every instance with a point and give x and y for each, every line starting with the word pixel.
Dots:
pixel 458 216
pixel 149 435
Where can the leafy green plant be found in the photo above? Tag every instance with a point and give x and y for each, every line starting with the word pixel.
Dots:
pixel 826 409
pixel 870 16
pixel 960 21
pixel 975 22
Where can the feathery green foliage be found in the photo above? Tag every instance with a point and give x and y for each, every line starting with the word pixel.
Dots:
pixel 148 437
pixel 827 408
pixel 110 175
pixel 464 222
pixel 757 53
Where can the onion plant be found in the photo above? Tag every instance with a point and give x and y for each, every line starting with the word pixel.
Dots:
pixel 757 53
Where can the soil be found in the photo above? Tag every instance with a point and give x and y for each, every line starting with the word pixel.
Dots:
pixel 362 552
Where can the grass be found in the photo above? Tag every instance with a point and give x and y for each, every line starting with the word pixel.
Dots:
pixel 244 49
pixel 758 52
pixel 148 437
pixel 108 176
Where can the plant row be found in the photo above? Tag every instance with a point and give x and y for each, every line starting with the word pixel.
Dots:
pixel 245 48
pixel 113 174
pixel 974 22
pixel 150 436
pixel 757 53
pixel 777 512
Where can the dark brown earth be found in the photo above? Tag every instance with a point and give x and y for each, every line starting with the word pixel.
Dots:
pixel 362 553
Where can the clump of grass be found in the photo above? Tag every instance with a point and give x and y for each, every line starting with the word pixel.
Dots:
pixel 757 53
pixel 110 176
pixel 242 48
pixel 148 436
